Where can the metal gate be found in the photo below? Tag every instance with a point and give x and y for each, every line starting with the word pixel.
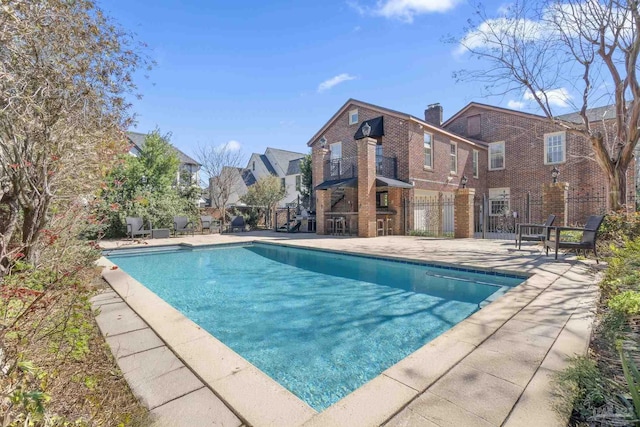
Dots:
pixel 497 217
pixel 430 216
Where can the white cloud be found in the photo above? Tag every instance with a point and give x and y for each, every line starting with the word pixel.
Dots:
pixel 556 97
pixel 333 81
pixel 405 10
pixel 516 105
pixel 232 145
pixel 499 32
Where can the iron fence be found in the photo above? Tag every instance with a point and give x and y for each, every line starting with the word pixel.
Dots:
pixel 498 217
pixel 584 202
pixel 430 216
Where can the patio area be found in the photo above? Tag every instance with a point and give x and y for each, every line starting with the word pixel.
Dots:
pixel 492 369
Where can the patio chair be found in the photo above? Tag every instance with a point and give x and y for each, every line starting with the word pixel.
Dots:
pixel 208 223
pixel 181 224
pixel 588 240
pixel 135 227
pixel 533 232
pixel 237 224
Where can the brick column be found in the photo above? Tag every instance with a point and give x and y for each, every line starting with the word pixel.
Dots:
pixel 554 201
pixel 464 214
pixel 366 152
pixel 318 158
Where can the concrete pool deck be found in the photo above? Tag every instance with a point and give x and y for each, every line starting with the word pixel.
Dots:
pixel 492 369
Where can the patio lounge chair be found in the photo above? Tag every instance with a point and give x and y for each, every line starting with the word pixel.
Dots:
pixel 135 227
pixel 208 223
pixel 533 232
pixel 237 224
pixel 181 224
pixel 588 240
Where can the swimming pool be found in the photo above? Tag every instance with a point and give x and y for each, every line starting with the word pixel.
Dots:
pixel 320 323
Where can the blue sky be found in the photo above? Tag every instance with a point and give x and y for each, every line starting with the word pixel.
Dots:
pixel 253 71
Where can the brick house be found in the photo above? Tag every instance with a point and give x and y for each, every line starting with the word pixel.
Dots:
pixel 523 149
pixel 405 158
pixel 414 167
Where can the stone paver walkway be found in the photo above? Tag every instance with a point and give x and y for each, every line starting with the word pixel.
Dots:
pixel 173 394
pixel 492 369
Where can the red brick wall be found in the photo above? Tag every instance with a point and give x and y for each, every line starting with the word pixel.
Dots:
pixel 403 139
pixel 525 170
pixel 436 178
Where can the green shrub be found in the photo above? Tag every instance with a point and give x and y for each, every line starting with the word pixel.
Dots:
pixel 627 303
pixel 620 226
pixel 580 388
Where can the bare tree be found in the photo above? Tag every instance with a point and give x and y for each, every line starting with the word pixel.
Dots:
pixel 220 165
pixel 541 48
pixel 65 70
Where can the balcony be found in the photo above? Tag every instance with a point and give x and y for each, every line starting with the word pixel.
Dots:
pixel 347 167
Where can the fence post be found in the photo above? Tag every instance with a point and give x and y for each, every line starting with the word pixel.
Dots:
pixel 463 216
pixel 555 201
pixel 485 215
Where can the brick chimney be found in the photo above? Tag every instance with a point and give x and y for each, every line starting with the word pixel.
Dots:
pixel 433 114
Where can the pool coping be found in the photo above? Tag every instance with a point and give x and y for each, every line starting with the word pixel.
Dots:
pixel 258 400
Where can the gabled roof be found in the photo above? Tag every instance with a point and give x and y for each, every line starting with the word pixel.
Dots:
pixel 294 167
pixel 494 108
pixel 248 177
pixel 593 114
pixel 283 157
pixel 607 112
pixel 394 113
pixel 138 140
pixel 267 164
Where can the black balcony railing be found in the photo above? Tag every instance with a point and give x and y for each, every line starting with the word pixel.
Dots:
pixel 347 167
pixel 341 168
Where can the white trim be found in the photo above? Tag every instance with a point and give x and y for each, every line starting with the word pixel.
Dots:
pixel 351 113
pixel 564 147
pixel 500 194
pixel 504 155
pixel 451 155
pixel 424 158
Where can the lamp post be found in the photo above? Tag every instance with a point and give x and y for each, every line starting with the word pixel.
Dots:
pixel 464 181
pixel 366 129
pixel 554 175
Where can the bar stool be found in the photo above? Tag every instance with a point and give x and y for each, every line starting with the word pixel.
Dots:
pixel 389 227
pixel 330 226
pixel 380 226
pixel 340 225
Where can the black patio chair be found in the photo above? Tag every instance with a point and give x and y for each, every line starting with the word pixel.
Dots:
pixel 135 227
pixel 182 224
pixel 588 240
pixel 237 224
pixel 533 232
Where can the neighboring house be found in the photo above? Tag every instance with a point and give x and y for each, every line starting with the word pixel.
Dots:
pixel 275 162
pixel 524 148
pixel 377 169
pixel 370 162
pixel 189 170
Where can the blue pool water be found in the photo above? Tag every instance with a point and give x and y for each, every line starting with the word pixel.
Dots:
pixel 321 324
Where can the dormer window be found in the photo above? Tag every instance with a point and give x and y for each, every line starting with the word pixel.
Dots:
pixel 353 117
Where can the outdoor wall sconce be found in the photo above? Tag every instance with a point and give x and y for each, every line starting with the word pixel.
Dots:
pixel 366 129
pixel 464 181
pixel 143 179
pixel 554 175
